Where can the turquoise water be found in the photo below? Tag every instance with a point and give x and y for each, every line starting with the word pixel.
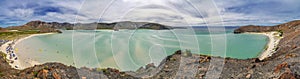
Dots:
pixel 131 49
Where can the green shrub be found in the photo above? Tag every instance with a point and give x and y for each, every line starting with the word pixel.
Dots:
pixel 35 73
pixel 99 69
pixel 172 59
pixel 1 74
pixel 46 67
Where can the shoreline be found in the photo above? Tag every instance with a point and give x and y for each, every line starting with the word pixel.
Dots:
pixel 271 47
pixel 267 52
pixel 15 62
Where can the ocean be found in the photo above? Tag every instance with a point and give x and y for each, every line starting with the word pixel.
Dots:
pixel 131 49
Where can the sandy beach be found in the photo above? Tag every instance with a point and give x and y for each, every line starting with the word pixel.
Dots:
pixel 270 48
pixel 16 62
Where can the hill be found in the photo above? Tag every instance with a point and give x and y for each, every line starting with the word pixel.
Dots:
pixel 52 26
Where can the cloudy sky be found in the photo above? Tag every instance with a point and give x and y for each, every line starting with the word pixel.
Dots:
pixel 169 12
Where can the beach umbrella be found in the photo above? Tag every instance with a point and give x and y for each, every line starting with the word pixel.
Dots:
pixel 16 49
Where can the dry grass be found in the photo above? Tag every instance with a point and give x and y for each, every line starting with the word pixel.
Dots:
pixel 12 35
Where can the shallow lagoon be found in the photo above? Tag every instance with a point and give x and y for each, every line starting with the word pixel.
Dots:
pixel 131 49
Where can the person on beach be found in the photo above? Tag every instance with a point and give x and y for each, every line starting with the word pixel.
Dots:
pixel 10 56
pixel 8 49
pixel 14 55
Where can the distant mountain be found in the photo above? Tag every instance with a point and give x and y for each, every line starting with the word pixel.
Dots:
pixel 52 26
pixel 42 26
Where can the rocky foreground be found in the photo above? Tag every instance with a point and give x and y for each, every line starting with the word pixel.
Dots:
pixel 284 64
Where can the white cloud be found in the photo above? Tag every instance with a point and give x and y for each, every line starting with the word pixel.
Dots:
pixel 21 13
pixel 170 12
pixel 174 12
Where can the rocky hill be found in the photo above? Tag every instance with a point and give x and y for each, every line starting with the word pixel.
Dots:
pixel 52 26
pixel 42 26
pixel 288 27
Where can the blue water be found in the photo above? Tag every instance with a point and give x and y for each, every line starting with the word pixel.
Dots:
pixel 131 49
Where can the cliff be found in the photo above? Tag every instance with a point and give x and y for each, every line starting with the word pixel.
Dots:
pixel 52 26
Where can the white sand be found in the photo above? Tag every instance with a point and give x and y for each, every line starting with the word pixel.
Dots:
pixel 274 39
pixel 17 62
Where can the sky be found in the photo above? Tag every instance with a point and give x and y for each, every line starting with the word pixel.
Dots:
pixel 168 12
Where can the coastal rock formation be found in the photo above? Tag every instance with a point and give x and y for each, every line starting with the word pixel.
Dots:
pixel 290 44
pixel 60 71
pixel 286 28
pixel 253 28
pixel 52 26
pixel 288 50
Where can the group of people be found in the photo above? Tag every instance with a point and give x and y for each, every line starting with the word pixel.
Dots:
pixel 3 42
pixel 11 52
